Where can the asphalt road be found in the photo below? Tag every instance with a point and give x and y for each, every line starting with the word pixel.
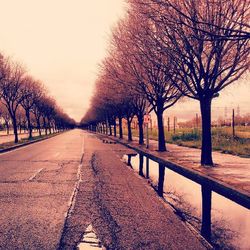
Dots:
pixel 53 191
pixel 36 186
pixel 124 210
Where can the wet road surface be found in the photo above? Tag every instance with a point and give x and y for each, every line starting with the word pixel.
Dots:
pixel 50 196
pixel 121 207
pixel 36 184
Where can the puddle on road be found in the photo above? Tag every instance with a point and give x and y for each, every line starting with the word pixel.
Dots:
pixel 90 240
pixel 230 221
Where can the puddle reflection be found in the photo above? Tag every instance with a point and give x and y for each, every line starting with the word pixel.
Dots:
pixel 224 221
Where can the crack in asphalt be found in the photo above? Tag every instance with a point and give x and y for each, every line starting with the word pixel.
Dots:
pixel 14 181
pixel 35 177
pixel 72 201
pixel 54 182
pixel 96 210
pixel 103 211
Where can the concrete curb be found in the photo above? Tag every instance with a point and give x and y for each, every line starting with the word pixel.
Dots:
pixel 27 143
pixel 239 196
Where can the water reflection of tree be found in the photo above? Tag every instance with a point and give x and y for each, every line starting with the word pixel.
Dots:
pixel 223 237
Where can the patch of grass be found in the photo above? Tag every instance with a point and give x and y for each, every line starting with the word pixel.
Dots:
pixel 222 139
pixel 193 136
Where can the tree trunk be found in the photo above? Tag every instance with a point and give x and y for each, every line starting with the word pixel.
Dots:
pixel 39 126
pixel 115 128
pixel 140 123
pixel 15 128
pixel 8 128
pixel 206 149
pixel 161 135
pixel 107 127
pixel 50 132
pixel 29 123
pixel 129 129
pixel 103 128
pixel 120 128
pixel 45 126
pixel 110 129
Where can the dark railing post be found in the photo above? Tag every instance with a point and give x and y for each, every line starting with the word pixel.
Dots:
pixel 141 165
pixel 206 212
pixel 129 160
pixel 147 167
pixel 161 179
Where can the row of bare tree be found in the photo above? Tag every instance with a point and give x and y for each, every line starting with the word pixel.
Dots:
pixel 164 50
pixel 24 101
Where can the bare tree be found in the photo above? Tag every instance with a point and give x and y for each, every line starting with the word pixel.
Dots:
pixel 115 67
pixel 21 119
pixel 49 112
pixel 207 48
pixel 37 110
pixel 31 91
pixel 111 100
pixel 4 114
pixel 10 85
pixel 19 90
pixel 145 63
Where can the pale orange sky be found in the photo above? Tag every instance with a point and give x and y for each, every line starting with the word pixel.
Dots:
pixel 61 42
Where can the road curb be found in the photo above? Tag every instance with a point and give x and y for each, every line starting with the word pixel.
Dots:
pixel 27 143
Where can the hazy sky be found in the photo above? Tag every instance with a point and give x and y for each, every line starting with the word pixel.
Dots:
pixel 61 43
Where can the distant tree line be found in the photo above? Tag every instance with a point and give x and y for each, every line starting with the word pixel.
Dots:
pixel 163 51
pixel 24 102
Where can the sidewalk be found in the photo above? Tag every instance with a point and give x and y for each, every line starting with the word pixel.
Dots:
pixel 124 211
pixel 10 138
pixel 229 170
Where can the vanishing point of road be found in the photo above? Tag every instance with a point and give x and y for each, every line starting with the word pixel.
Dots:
pixel 51 191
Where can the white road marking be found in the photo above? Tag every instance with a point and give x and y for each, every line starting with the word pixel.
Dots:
pixel 56 154
pixel 89 240
pixel 36 173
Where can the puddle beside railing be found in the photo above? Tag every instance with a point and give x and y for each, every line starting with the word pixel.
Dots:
pixel 221 221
